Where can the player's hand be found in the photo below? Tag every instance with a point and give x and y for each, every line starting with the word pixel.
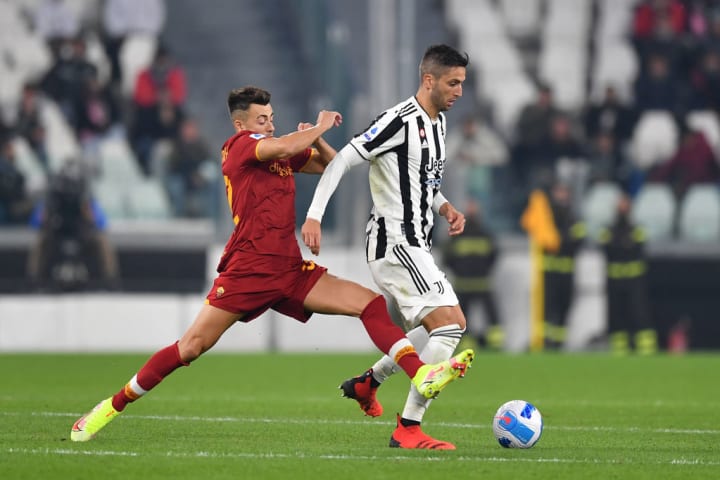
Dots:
pixel 455 219
pixel 304 126
pixel 327 119
pixel 311 235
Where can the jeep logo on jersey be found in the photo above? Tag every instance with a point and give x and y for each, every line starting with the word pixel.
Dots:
pixel 370 134
pixel 434 165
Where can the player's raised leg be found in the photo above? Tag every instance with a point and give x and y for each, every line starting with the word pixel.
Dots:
pixel 333 295
pixel 209 325
pixel 363 388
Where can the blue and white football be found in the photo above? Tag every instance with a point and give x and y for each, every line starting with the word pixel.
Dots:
pixel 517 424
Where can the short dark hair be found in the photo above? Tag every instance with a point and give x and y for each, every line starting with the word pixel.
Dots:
pixel 437 58
pixel 242 98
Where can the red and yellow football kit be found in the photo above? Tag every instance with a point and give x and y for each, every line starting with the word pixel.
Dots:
pixel 261 266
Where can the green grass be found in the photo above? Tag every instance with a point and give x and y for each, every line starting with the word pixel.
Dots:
pixel 280 417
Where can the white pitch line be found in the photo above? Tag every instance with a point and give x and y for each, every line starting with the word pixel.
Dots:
pixel 246 455
pixel 373 422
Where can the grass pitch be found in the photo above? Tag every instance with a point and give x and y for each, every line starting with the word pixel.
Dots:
pixel 263 416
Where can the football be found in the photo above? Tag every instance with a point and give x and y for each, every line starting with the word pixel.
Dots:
pixel 517 424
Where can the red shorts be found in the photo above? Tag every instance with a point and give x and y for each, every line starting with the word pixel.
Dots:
pixel 254 284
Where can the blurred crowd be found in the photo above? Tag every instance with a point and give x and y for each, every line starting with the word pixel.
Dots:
pixel 677 45
pixel 535 180
pixel 100 102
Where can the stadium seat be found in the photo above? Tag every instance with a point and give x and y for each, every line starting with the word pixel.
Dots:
pixel 11 85
pixel 521 17
pixel 496 55
pixel 117 161
pixel 28 163
pixel 11 21
pixel 600 206
pixel 654 140
pixel 562 64
pixel 699 218
pixel 478 16
pixel 97 56
pixel 566 21
pixel 614 20
pixel 30 55
pixel 148 200
pixel 60 138
pixel 615 64
pixel 508 99
pixel 654 208
pixel 137 53
pixel 112 197
pixel 707 122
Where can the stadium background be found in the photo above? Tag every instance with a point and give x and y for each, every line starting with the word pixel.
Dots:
pixel 357 57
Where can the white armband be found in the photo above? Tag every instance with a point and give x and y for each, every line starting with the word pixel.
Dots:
pixel 438 201
pixel 343 161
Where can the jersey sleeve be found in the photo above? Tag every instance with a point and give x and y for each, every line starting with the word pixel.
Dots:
pixel 242 150
pixel 384 133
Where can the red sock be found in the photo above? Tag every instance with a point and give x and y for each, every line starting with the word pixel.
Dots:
pixel 384 334
pixel 159 366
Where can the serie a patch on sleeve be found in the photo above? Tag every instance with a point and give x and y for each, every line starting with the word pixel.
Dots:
pixel 257 136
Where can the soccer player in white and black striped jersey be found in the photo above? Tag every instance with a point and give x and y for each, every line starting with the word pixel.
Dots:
pixel 405 149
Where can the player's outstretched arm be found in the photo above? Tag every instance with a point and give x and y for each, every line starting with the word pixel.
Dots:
pixel 294 143
pixel 322 155
pixel 343 161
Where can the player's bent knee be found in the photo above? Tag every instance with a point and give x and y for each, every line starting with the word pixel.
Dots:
pixel 444 316
pixel 192 348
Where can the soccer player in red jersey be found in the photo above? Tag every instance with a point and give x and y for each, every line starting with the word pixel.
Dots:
pixel 262 268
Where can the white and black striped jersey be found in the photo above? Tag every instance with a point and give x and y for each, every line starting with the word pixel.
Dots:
pixel 406 151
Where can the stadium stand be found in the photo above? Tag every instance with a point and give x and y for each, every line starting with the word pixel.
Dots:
pixel 655 208
pixel 598 206
pixel 699 216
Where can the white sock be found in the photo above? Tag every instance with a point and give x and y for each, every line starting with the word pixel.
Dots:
pixel 441 345
pixel 385 367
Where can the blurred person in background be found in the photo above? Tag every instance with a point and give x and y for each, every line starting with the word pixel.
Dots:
pixel 659 28
pixel 610 114
pixel 56 22
pixel 477 156
pixel 164 74
pixel 123 18
pixel 533 123
pixel 65 81
pixel 158 105
pixel 405 150
pixel 658 87
pixel 563 156
pixel 98 117
pixel 15 204
pixel 29 123
pixel 705 82
pixel 629 325
pixel 694 162
pixel 531 129
pixel 607 160
pixel 471 258
pixel 262 268
pixel 559 265
pixel 72 251
pixel 191 176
